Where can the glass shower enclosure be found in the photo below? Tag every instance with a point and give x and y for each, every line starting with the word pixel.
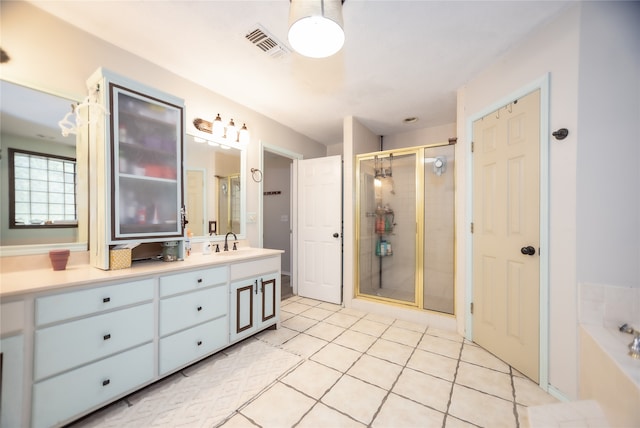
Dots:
pixel 405 227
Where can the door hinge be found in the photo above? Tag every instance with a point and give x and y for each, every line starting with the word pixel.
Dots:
pixel 472 146
pixel 471 307
pixel 471 227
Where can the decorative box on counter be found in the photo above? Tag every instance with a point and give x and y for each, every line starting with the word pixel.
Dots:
pixel 120 257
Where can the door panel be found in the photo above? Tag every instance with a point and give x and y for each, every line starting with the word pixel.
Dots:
pixel 320 222
pixel 506 196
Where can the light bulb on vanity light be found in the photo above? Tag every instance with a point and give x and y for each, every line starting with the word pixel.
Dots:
pixel 231 132
pixel 243 135
pixel 217 128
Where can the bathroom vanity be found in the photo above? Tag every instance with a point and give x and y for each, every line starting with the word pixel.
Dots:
pixel 78 339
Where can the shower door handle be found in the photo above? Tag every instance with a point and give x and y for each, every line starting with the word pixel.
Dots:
pixel 528 251
pixel 336 235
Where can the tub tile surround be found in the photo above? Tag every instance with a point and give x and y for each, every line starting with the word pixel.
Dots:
pixel 350 369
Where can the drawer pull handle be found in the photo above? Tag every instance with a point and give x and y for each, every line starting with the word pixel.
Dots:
pixel 106 300
pixel 199 342
pixel 199 280
pixel 106 382
pixel 199 308
pixel 106 337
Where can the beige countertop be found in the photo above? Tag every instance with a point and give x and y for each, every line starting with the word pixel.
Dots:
pixel 43 278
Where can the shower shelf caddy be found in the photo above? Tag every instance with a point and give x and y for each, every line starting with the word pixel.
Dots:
pixel 384 226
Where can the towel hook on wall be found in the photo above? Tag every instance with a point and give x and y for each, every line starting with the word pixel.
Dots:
pixel 561 133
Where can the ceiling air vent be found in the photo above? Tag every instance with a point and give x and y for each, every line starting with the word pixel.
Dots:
pixel 266 42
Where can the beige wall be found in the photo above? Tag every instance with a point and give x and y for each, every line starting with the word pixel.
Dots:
pixel 49 54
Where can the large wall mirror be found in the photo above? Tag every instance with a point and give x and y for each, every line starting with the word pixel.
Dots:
pixel 39 177
pixel 214 177
pixel 214 190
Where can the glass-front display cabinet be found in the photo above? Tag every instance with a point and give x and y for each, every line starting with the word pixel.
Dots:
pixel 137 168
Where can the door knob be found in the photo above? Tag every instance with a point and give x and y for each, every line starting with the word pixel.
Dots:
pixel 336 235
pixel 528 251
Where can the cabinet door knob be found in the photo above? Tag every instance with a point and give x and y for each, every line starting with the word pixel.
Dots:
pixel 106 300
pixel 106 382
pixel 199 342
pixel 199 308
pixel 199 280
pixel 106 336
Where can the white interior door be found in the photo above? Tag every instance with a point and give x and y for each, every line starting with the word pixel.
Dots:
pixel 319 229
pixel 506 234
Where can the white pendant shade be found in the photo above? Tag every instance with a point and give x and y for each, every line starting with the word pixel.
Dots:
pixel 315 27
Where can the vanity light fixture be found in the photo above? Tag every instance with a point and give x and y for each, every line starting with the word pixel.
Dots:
pixel 315 27
pixel 222 135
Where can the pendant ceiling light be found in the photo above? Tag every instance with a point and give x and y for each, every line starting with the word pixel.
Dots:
pixel 315 27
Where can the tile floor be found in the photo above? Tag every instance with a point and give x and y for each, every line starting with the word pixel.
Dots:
pixel 328 367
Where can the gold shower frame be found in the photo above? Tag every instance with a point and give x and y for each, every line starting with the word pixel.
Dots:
pixel 418 302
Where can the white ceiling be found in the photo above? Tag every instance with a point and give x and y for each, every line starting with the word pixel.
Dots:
pixel 400 58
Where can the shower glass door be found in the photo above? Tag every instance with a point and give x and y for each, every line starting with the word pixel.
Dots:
pixel 387 245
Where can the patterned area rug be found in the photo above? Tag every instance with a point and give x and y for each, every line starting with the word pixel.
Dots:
pixel 202 395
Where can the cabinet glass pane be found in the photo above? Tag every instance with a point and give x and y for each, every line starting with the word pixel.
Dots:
pixel 147 160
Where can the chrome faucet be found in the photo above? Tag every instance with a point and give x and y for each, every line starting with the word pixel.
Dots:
pixel 226 245
pixel 634 346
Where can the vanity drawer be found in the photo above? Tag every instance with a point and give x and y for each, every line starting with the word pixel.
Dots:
pixel 12 317
pixel 255 267
pixel 72 344
pixel 182 348
pixel 194 280
pixel 186 310
pixel 62 397
pixel 74 304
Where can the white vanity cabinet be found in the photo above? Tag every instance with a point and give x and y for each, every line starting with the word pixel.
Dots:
pixel 90 346
pixel 193 318
pixel 254 297
pixel 11 363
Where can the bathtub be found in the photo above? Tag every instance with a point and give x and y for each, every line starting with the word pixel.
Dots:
pixel 607 373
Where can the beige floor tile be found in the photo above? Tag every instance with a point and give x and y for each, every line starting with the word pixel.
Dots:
pixel 342 320
pixel 299 323
pixel 356 398
pixel 400 335
pixel 420 328
pixel 433 364
pixel 277 337
pixel 355 340
pixel 523 416
pixel 584 413
pixel 423 388
pixel 336 356
pixel 304 345
pixel 312 378
pixel 325 331
pixel 398 412
pixel 445 334
pixel 382 319
pixel 438 345
pixel 391 351
pixel 330 307
pixel 279 406
pixel 309 302
pixel 483 379
pixel 353 312
pixel 530 394
pixel 317 313
pixel 452 422
pixel 376 371
pixel 294 308
pixel 481 357
pixel 286 315
pixel 369 327
pixel 481 409
pixel 238 421
pixel 323 416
